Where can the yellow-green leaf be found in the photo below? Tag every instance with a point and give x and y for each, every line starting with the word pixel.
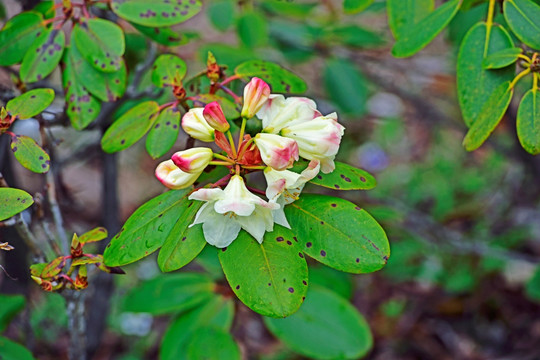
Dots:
pixel 13 201
pixel 30 154
pixel 30 103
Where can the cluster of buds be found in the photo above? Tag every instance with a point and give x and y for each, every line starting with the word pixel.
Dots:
pixel 53 276
pixel 292 128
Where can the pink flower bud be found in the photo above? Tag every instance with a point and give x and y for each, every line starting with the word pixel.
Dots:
pixel 193 160
pixel 276 151
pixel 215 118
pixel 196 126
pixel 256 93
pixel 174 178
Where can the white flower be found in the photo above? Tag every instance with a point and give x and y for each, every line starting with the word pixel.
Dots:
pixel 195 125
pixel 229 210
pixel 172 177
pixel 285 186
pixel 276 151
pixel 279 112
pixel 318 139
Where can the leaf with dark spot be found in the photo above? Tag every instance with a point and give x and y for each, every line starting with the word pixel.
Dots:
pixel 168 70
pixel 163 133
pixel 81 107
pixel 130 127
pixel 264 264
pixel 156 13
pixel 163 35
pixel 348 233
pixel 101 43
pixel 280 79
pixel 93 235
pixel 43 55
pixel 13 201
pixel 30 103
pixel 105 86
pixel 346 177
pixel 30 154
pixel 17 35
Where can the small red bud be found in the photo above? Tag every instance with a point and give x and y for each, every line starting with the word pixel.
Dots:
pixel 213 114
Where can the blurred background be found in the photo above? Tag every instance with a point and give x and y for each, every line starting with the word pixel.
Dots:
pixel 462 281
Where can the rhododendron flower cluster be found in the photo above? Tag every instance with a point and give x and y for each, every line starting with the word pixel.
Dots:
pixel 292 128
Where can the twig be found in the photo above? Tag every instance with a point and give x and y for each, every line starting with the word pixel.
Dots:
pixel 76 324
pixel 56 212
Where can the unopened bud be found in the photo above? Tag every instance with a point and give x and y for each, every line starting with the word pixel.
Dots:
pixel 214 116
pixel 174 178
pixel 196 126
pixel 193 160
pixel 256 93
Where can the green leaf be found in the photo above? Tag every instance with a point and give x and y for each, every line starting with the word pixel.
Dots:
pixel 280 79
pixel 17 35
pixel 101 43
pixel 170 293
pixel 168 70
pixel 230 109
pixel 502 58
pixel 474 83
pixel 45 8
pixel 13 201
pixel 325 327
pixel 522 18
pixel 212 343
pixel 404 14
pixel 11 350
pixel 30 154
pixel 270 278
pixel 353 35
pixel 106 86
pixel 221 13
pixel 338 233
pixel 346 177
pixel 252 29
pixel 93 235
pixel 418 36
pixel 290 8
pixel 355 6
pixel 532 288
pixel 181 246
pixel 164 133
pixel 162 35
pixel 490 116
pixel 43 55
pixel 81 107
pixel 130 127
pixel 156 13
pixel 30 103
pixel 337 281
pixel 11 305
pixel 345 86
pixel 528 122
pixel 148 227
pixel 217 312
